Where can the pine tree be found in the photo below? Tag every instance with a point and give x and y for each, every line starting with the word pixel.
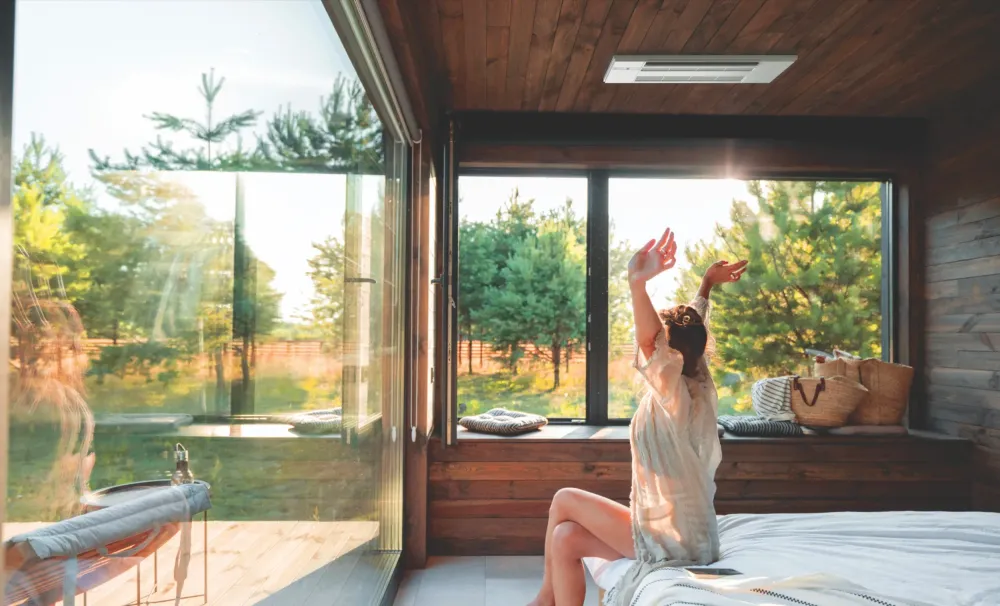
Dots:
pixel 542 298
pixel 346 135
pixel 162 155
pixel 814 279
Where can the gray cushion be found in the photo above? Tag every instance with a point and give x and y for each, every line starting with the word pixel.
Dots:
pixel 328 420
pixel 503 422
pixel 99 528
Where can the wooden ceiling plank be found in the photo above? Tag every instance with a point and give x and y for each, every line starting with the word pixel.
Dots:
pixel 522 21
pixel 498 13
pixel 716 15
pixel 777 24
pixel 611 34
pixel 681 28
pixel 474 20
pixel 913 95
pixel 826 56
pixel 453 37
pixel 878 52
pixel 917 60
pixel 570 17
pixel 431 23
pixel 806 46
pixel 816 25
pixel 638 24
pixel 497 53
pixel 595 18
pixel 542 36
pixel 734 24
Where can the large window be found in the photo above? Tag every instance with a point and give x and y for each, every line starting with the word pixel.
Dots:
pixel 814 279
pixel 209 250
pixel 523 295
pixel 543 259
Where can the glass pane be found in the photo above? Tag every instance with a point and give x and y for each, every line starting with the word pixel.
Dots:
pixel 814 280
pixel 209 253
pixel 522 295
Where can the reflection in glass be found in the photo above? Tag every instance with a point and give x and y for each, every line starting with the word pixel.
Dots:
pixel 231 283
pixel 814 279
pixel 522 295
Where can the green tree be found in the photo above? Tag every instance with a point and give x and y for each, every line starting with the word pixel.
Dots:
pixel 345 136
pixel 478 270
pixel 542 298
pixel 326 270
pixel 42 200
pixel 814 279
pixel 162 155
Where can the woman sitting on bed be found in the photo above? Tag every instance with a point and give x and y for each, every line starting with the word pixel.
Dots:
pixel 675 452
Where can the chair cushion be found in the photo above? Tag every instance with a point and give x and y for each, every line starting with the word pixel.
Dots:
pixel 502 422
pixel 82 533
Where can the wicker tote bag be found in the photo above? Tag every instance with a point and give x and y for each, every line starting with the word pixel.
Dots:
pixel 825 401
pixel 888 388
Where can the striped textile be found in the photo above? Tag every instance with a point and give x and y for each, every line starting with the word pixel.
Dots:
pixel 772 398
pixel 758 427
pixel 502 422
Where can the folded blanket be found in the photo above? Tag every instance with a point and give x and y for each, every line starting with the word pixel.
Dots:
pixel 758 427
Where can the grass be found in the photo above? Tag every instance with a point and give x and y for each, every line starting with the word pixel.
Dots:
pixel 531 390
pixel 280 478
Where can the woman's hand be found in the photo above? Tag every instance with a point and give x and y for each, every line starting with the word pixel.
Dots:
pixel 723 271
pixel 656 257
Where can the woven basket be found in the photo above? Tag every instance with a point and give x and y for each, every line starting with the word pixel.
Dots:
pixel 826 401
pixel 888 388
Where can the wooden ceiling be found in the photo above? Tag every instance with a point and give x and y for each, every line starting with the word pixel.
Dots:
pixel 855 57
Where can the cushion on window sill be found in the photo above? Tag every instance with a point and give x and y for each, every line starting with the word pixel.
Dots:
pixel 314 422
pixel 501 422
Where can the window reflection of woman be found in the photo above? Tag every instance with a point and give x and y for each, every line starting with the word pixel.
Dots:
pixel 50 366
pixel 675 451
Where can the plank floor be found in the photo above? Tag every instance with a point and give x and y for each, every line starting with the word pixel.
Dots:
pixel 269 563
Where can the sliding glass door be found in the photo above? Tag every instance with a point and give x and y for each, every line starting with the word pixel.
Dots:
pixel 209 240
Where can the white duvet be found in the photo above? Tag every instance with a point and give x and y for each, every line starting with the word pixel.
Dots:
pixel 838 559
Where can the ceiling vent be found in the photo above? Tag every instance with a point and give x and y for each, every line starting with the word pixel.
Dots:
pixel 696 69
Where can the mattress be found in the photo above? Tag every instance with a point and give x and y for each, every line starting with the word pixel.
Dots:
pixel 838 559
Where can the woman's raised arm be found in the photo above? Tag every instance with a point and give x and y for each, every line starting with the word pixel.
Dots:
pixel 651 260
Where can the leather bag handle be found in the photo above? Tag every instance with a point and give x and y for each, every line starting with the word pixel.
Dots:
pixel 821 386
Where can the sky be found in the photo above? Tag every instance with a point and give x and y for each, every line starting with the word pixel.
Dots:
pixel 88 71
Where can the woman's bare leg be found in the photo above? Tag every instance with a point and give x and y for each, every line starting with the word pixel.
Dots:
pixel 607 521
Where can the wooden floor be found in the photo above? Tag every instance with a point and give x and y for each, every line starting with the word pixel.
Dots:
pixel 271 563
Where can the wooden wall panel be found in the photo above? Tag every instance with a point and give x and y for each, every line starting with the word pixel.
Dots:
pixel 963 283
pixel 491 497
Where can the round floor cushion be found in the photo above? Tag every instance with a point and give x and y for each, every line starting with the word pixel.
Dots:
pixel 502 422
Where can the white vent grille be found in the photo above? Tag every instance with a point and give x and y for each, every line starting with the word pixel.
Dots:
pixel 696 69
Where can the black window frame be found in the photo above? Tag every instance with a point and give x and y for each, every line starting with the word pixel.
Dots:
pixel 598 225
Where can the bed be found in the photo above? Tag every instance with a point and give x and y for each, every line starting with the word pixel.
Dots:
pixel 838 559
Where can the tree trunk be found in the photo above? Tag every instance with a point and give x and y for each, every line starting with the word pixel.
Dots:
pixel 569 354
pixel 470 353
pixel 220 381
pixel 556 353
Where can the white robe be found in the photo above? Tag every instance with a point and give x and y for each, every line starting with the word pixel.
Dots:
pixel 675 453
